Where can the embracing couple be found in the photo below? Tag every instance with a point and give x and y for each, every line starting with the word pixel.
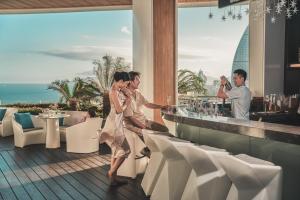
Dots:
pixel 126 109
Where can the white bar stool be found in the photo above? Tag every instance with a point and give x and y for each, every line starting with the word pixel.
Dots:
pixel 171 126
pixel 155 163
pixel 131 166
pixel 207 179
pixel 252 178
pixel 174 175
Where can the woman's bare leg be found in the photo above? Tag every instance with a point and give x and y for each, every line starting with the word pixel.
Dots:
pixel 112 163
pixel 117 163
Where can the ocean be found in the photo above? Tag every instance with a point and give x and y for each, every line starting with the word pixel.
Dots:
pixel 27 93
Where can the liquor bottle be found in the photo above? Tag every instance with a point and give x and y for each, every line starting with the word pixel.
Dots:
pixel 228 85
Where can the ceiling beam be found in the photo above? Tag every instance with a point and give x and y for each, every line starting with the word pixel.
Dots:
pixel 41 6
pixel 44 6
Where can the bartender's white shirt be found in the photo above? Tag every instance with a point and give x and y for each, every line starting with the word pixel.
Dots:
pixel 240 102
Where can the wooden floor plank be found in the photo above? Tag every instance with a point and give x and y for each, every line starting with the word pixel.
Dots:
pixel 126 190
pixel 80 187
pixel 131 188
pixel 60 165
pixel 13 181
pixel 83 174
pixel 5 189
pixel 60 186
pixel 43 184
pixel 101 173
pixel 42 173
pixel 85 170
pixel 33 192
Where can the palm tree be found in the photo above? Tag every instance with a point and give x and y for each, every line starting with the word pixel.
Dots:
pixel 104 71
pixel 189 81
pixel 80 93
pixel 62 87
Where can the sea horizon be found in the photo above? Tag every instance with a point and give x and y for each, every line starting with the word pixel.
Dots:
pixel 35 93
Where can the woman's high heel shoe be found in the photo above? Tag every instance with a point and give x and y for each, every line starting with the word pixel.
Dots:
pixel 112 180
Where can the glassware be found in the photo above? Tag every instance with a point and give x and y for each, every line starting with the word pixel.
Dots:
pixel 266 103
pixel 216 109
pixel 169 100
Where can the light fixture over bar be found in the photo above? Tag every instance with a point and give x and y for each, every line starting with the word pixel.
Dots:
pixel 297 65
pixel 224 3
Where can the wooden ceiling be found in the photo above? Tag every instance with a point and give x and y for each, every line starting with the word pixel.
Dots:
pixel 23 6
pixel 31 5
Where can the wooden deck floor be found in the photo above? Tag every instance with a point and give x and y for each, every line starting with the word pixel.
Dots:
pixel 38 173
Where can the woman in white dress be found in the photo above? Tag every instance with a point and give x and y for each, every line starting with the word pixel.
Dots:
pixel 112 133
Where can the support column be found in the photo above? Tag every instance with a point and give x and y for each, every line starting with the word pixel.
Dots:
pixel 257 50
pixel 165 72
pixel 143 47
pixel 154 50
pixel 266 59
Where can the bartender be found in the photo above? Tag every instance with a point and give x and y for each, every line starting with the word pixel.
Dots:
pixel 239 95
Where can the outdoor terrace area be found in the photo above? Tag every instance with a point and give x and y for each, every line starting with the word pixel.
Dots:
pixel 34 172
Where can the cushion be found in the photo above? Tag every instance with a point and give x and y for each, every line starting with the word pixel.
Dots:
pixel 2 113
pixel 24 119
pixel 61 121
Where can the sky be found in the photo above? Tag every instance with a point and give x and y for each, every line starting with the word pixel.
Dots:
pixel 40 48
pixel 209 44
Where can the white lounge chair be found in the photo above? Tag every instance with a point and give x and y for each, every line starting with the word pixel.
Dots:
pixel 83 137
pixel 24 137
pixel 75 118
pixel 6 128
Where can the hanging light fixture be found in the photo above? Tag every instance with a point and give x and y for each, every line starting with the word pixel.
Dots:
pixel 275 9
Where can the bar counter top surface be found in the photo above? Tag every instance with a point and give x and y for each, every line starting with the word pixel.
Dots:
pixel 272 131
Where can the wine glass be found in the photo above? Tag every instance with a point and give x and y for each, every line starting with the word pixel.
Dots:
pixel 169 102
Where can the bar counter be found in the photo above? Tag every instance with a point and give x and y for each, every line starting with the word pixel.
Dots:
pixel 277 143
pixel 272 131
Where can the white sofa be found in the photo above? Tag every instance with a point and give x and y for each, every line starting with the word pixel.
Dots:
pixel 83 137
pixel 75 118
pixel 6 128
pixel 24 137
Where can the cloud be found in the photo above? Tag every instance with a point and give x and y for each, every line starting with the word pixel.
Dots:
pixel 193 54
pixel 88 53
pixel 89 73
pixel 190 56
pixel 88 37
pixel 125 30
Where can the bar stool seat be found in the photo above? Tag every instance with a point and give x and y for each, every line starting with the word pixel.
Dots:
pixel 171 126
pixel 252 178
pixel 207 179
pixel 174 175
pixel 131 166
pixel 155 163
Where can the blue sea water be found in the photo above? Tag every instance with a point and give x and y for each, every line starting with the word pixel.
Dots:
pixel 27 93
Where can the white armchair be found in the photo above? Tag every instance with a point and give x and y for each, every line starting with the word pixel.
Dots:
pixel 75 118
pixel 24 137
pixel 83 137
pixel 6 128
